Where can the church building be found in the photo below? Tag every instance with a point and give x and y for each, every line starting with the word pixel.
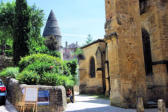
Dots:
pixel 132 59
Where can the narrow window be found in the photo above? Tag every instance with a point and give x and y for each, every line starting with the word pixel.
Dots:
pixel 92 67
pixel 147 52
pixel 167 66
pixel 143 6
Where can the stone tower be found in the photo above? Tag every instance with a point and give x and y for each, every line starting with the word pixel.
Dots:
pixel 125 52
pixel 52 33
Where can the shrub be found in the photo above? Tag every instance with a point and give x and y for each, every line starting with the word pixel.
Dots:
pixel 49 79
pixel 46 70
pixel 28 77
pixel 40 67
pixel 10 72
pixel 42 63
pixel 56 79
pixel 24 62
pixel 53 53
pixel 73 65
pixel 67 81
pixel 37 45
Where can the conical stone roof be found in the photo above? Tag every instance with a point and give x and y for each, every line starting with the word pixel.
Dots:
pixel 51 28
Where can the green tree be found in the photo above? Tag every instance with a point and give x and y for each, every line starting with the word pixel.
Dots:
pixel 37 17
pixel 21 31
pixel 7 26
pixel 78 51
pixel 36 41
pixel 5 41
pixel 89 39
pixel 7 13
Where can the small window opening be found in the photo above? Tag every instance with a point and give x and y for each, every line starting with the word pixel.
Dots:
pixel 92 67
pixel 143 4
pixel 147 52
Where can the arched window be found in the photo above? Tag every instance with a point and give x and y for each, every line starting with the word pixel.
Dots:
pixel 143 6
pixel 92 67
pixel 147 52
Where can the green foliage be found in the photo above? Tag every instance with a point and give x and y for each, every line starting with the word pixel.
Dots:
pixel 5 41
pixel 73 66
pixel 89 39
pixel 9 52
pixel 56 79
pixel 21 30
pixel 28 77
pixel 37 17
pixel 35 58
pixel 51 70
pixel 9 72
pixel 7 25
pixel 38 46
pixel 7 14
pixel 43 69
pixel 40 67
pixel 53 53
pixel 36 42
pixel 78 51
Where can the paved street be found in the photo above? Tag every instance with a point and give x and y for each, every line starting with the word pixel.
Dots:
pixel 84 104
pixel 91 104
pixel 7 108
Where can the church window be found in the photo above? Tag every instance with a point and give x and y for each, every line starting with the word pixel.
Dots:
pixel 92 67
pixel 99 58
pixel 147 52
pixel 143 6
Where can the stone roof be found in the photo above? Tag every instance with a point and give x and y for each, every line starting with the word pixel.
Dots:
pixel 51 28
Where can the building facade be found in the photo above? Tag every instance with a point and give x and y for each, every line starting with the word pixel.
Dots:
pixel 134 58
pixel 69 51
pixel 91 75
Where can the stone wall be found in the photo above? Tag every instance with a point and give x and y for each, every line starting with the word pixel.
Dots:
pixel 125 52
pixel 90 85
pixel 57 95
pixel 155 21
pixel 5 62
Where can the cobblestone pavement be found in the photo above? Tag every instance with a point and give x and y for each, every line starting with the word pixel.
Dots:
pixel 91 104
pixel 7 108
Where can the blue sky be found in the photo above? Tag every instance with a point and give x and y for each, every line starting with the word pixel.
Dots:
pixel 76 18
